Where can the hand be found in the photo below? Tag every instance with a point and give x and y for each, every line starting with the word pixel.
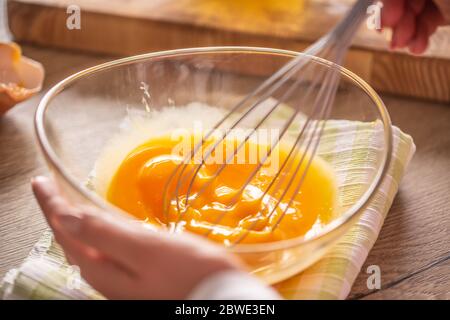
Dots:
pixel 123 259
pixel 413 21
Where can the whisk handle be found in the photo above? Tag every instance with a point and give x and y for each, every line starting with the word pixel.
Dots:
pixel 347 28
pixel 342 34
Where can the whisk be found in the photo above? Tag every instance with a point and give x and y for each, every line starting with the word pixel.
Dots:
pixel 321 87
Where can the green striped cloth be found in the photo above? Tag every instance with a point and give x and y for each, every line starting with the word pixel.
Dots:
pixel 351 147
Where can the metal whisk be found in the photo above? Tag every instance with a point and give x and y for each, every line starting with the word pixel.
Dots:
pixel 321 87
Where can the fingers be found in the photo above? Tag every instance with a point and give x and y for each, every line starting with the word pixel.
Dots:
pixel 62 217
pixel 416 6
pixel 413 22
pixel 120 240
pixel 101 273
pixel 392 12
pixel 121 258
pixel 431 18
pixel 83 231
pixel 420 42
pixel 427 23
pixel 50 200
pixel 404 31
pixel 444 8
pixel 105 276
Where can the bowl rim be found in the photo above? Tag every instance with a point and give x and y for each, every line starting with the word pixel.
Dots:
pixel 339 223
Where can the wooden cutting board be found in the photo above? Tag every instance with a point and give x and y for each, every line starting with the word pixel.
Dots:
pixel 127 27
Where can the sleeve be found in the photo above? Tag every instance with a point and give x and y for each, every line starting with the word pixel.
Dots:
pixel 232 285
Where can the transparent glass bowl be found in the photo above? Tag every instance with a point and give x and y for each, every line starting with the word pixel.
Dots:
pixel 79 115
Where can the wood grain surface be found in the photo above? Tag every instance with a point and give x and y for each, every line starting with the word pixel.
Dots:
pixel 109 26
pixel 413 248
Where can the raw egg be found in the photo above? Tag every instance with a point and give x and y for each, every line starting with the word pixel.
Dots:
pixel 251 199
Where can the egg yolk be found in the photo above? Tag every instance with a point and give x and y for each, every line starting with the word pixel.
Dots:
pixel 236 203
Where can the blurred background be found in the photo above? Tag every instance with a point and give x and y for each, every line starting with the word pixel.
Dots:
pixel 119 27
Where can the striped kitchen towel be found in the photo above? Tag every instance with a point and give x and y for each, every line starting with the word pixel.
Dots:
pixel 351 147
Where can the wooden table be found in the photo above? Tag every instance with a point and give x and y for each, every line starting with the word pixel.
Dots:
pixel 413 249
pixel 143 26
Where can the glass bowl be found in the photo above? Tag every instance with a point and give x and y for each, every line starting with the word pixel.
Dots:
pixel 78 117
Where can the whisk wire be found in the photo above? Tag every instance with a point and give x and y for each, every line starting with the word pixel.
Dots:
pixel 289 159
pixel 333 47
pixel 194 172
pixel 309 159
pixel 233 201
pixel 288 69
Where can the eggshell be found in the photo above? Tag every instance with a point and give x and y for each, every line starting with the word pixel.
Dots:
pixel 20 77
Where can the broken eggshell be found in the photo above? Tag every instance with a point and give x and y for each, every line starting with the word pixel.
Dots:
pixel 20 77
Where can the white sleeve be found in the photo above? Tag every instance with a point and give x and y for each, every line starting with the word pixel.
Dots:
pixel 232 285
